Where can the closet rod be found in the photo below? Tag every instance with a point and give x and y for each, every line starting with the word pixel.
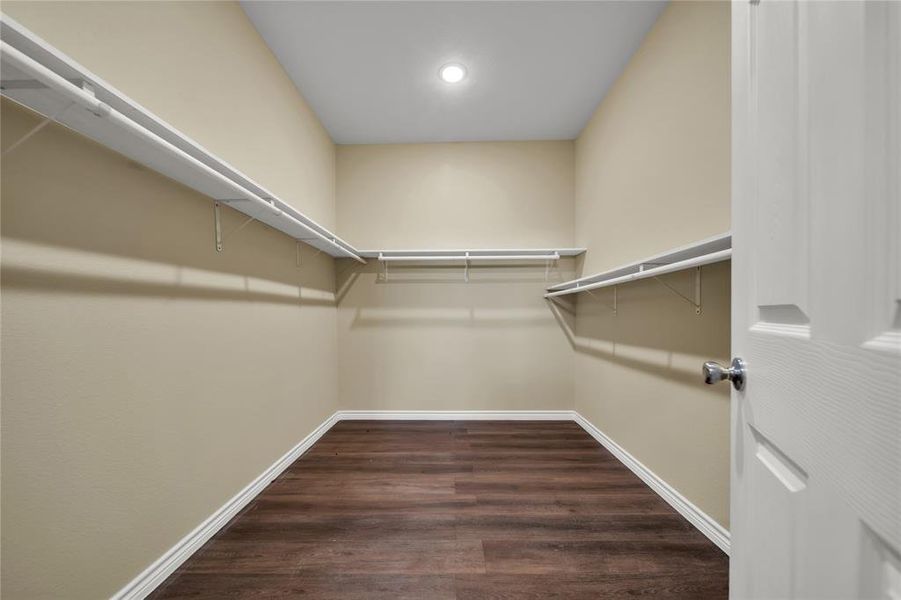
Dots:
pixel 535 257
pixel 103 110
pixel 697 261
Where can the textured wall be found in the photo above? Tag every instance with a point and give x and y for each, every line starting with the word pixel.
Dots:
pixel 652 173
pixel 147 378
pixel 424 339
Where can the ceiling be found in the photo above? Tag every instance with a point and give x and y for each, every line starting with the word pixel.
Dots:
pixel 536 70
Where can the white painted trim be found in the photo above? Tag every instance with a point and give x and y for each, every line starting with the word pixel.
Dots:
pixel 451 415
pixel 715 532
pixel 145 583
pixel 142 585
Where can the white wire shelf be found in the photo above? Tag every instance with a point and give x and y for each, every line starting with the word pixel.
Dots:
pixel 468 257
pixel 704 252
pixel 47 81
pixel 507 254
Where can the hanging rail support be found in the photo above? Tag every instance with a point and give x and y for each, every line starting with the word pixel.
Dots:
pixel 220 236
pixel 613 308
pixel 697 290
pixel 547 265
pixel 246 222
pixel 47 120
pixel 30 133
pixel 218 226
pixel 466 268
pixel 696 301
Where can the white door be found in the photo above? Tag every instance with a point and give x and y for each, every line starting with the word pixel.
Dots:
pixel 816 300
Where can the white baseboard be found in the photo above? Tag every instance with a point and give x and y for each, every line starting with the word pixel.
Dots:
pixel 142 585
pixel 715 532
pixel 454 415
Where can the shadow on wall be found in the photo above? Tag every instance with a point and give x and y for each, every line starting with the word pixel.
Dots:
pixel 427 340
pixel 129 345
pixel 480 273
pixel 653 330
pixel 80 218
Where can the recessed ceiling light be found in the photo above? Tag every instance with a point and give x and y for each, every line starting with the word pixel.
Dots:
pixel 452 73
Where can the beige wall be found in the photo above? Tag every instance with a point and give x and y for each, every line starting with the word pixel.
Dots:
pixel 424 339
pixel 653 163
pixel 202 67
pixel 146 377
pixel 652 173
pixel 456 195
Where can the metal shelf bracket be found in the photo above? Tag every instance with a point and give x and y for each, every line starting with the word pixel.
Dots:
pixel 218 227
pixel 613 308
pixel 547 267
pixel 46 121
pixel 220 236
pixel 31 132
pixel 696 301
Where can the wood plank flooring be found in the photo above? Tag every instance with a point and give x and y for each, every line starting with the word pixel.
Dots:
pixel 455 509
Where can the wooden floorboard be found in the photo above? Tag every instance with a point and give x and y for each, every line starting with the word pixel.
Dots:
pixel 456 510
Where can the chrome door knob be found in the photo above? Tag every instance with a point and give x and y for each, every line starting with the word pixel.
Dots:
pixel 715 372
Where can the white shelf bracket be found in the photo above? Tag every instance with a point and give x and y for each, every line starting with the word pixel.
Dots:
pixel 466 268
pixel 696 301
pixel 31 132
pixel 385 276
pixel 218 226
pixel 697 290
pixel 613 308
pixel 220 235
pixel 28 135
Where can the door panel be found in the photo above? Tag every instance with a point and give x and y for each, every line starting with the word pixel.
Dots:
pixel 782 261
pixel 816 465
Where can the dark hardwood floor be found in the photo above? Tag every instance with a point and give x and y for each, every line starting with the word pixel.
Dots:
pixel 455 509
